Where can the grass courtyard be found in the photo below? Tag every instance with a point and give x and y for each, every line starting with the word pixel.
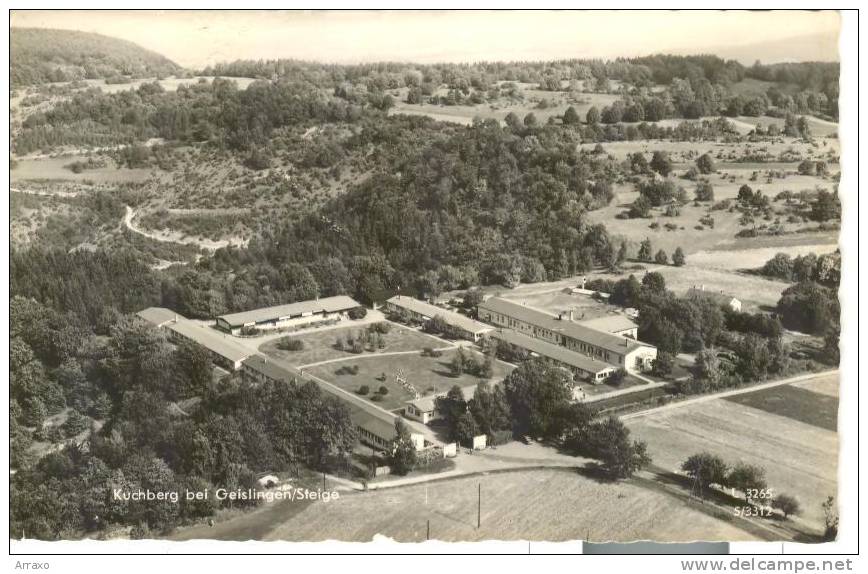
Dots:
pixel 429 375
pixel 321 345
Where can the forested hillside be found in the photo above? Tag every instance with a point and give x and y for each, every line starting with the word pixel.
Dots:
pixel 42 55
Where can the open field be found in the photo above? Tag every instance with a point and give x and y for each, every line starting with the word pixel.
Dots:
pixel 800 459
pixel 498 110
pixel 429 375
pixel 725 154
pixel 52 168
pixel 797 403
pixel 752 290
pixel 692 236
pixel 552 505
pixel 320 345
pixel 754 258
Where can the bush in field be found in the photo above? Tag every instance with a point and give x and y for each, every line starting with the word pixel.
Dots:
pixel 704 191
pixel 705 164
pixel 747 477
pixel 383 390
pixel 364 390
pixel 706 468
pixel 787 504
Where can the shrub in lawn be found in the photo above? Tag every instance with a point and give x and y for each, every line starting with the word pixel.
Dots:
pixel 376 398
pixel 383 390
pixel 290 344
pixel 617 377
pixel 364 390
pixel 348 370
pixel 382 327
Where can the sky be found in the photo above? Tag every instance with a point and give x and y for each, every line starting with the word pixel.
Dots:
pixel 197 38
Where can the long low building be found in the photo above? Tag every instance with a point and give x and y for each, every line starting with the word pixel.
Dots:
pixel 421 311
pixel 224 351
pixel 292 314
pixel 582 366
pixel 616 350
pixel 375 426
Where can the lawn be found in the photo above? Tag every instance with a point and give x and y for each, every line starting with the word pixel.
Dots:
pixel 553 505
pixel 752 290
pixel 320 345
pixel 800 459
pixel 427 374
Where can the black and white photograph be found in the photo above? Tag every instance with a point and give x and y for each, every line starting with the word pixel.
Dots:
pixel 330 276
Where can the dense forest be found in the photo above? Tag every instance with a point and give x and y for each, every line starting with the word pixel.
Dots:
pixel 40 55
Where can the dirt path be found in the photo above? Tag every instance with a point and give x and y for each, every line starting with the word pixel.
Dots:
pixel 373 356
pixel 177 237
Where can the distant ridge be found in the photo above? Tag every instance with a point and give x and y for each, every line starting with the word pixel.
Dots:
pixel 40 55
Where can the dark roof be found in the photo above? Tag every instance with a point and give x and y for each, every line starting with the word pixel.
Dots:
pixel 554 352
pixel 158 316
pixel 272 370
pixel 326 304
pixel 211 339
pixel 429 310
pixel 526 314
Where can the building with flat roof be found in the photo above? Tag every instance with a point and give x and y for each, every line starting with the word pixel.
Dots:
pixel 424 409
pixel 296 314
pixel 619 324
pixel 625 352
pixel 158 316
pixel 582 366
pixel 225 352
pixel 470 329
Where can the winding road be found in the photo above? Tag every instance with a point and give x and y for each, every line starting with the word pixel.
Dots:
pixel 178 237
